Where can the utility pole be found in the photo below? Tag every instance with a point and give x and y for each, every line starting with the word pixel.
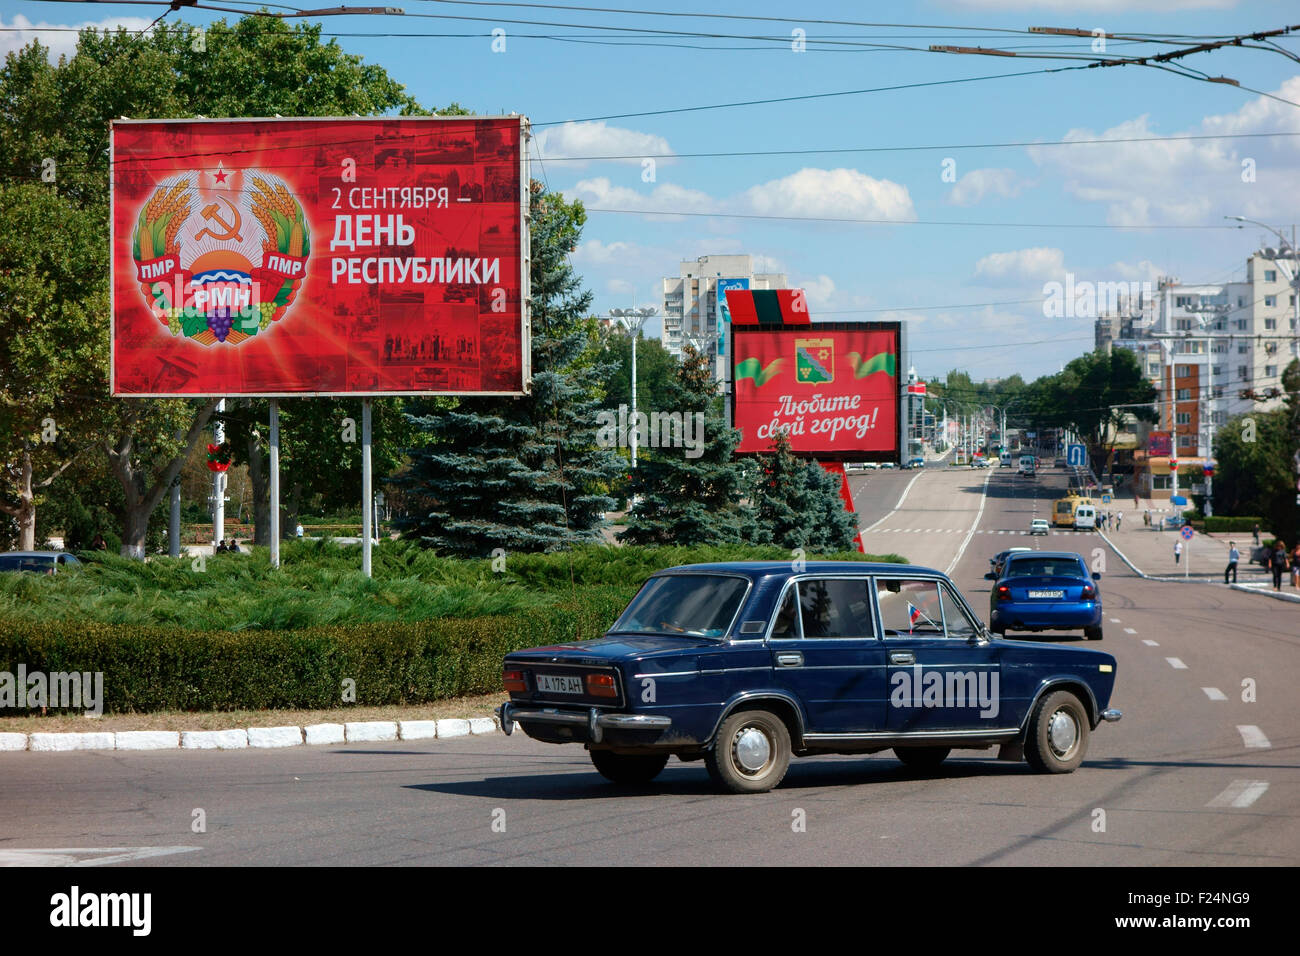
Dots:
pixel 633 320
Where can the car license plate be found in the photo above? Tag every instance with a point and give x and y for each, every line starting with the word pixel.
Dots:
pixel 551 684
pixel 1047 594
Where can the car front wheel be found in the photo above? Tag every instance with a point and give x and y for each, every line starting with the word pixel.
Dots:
pixel 751 752
pixel 1058 734
pixel 628 768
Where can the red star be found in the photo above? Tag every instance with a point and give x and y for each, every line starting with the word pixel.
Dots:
pixel 219 175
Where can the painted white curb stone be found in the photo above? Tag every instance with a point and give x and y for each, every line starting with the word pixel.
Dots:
pixel 359 730
pixel 453 727
pixel 482 725
pixel 13 741
pixel 324 733
pixel 214 739
pixel 419 729
pixel 60 742
pixel 147 739
pixel 274 736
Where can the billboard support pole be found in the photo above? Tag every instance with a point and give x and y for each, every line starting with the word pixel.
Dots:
pixel 219 483
pixel 367 496
pixel 275 483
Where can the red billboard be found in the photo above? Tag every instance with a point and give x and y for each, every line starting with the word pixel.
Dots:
pixel 1160 444
pixel 319 256
pixel 832 387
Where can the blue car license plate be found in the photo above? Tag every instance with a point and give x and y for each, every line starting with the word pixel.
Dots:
pixel 1047 594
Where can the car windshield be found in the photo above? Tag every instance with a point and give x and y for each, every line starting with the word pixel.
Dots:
pixel 1044 567
pixel 701 605
pixel 26 562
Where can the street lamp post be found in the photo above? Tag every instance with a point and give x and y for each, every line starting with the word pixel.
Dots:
pixel 633 320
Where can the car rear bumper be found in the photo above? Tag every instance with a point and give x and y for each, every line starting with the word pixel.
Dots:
pixel 1030 617
pixel 591 725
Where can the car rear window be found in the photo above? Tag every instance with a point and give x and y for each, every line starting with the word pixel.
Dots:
pixel 701 605
pixel 1037 567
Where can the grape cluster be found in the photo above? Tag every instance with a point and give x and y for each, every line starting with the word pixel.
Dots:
pixel 268 310
pixel 174 321
pixel 220 321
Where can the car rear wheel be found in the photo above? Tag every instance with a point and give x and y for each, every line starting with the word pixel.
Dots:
pixel 1058 734
pixel 1092 633
pixel 922 758
pixel 628 768
pixel 751 752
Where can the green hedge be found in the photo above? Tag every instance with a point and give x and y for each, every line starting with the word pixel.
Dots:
pixel 148 668
pixel 1229 523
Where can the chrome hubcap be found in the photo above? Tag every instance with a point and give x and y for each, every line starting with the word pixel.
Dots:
pixel 1062 733
pixel 752 749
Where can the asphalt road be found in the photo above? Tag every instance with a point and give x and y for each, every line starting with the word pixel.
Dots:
pixel 1186 778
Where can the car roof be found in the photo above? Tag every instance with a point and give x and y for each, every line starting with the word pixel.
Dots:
pixel 1053 555
pixel 32 554
pixel 758 570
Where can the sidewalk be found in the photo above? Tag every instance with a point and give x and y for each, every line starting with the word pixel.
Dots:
pixel 1150 552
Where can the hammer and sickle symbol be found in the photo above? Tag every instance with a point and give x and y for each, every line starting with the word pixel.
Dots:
pixel 212 213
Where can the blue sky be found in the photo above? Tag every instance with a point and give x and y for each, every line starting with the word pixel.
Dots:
pixel 1013 219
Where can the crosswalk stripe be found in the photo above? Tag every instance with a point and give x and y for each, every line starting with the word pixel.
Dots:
pixel 1214 693
pixel 1149 643
pixel 1252 736
pixel 1240 793
pixel 1176 663
pixel 1129 630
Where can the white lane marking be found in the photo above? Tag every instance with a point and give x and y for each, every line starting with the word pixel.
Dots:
pixel 1129 630
pixel 1176 664
pixel 1214 693
pixel 901 498
pixel 984 493
pixel 1252 736
pixel 1150 643
pixel 1114 620
pixel 71 856
pixel 1240 793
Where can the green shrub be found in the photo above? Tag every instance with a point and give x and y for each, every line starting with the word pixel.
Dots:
pixel 1229 524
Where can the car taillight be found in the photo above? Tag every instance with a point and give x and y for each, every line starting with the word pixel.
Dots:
pixel 1004 593
pixel 1089 592
pixel 514 682
pixel 601 685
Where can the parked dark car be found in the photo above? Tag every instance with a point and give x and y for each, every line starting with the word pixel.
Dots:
pixel 40 562
pixel 1046 591
pixel 743 665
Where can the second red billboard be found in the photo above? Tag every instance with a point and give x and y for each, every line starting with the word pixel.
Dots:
pixel 832 388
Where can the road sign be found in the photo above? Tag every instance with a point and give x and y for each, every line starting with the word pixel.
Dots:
pixel 1187 532
pixel 1177 500
pixel 1076 455
pixel 1105 499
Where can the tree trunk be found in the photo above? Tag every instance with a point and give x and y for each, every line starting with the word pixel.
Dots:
pixel 259 477
pixel 292 509
pixel 24 513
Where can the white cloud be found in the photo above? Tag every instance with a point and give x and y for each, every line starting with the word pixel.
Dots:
pixel 978 184
pixel 1185 182
pixel 601 193
pixel 1144 271
pixel 832 193
pixel 819 291
pixel 620 287
pixel 1020 266
pixel 597 139
pixel 769 264
pixel 60 38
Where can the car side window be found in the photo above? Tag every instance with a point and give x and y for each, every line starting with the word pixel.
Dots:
pixel 836 608
pixel 959 626
pixel 786 626
pixel 910 607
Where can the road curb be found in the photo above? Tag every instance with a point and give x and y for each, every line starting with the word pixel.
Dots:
pixel 1276 595
pixel 241 738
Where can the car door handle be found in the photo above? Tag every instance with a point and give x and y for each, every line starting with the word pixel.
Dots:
pixel 789 659
pixel 902 657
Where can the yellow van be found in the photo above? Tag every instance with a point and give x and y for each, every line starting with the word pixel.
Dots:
pixel 1064 508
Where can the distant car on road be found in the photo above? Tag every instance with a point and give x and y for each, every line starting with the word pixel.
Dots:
pixel 1028 465
pixel 1085 518
pixel 1059 463
pixel 1046 591
pixel 40 562
pixel 1039 526
pixel 888 464
pixel 916 462
pixel 743 665
pixel 1000 559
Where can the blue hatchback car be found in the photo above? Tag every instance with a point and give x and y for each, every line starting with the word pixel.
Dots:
pixel 1046 591
pixel 743 665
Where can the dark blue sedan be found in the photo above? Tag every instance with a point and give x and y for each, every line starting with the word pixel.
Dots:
pixel 1046 591
pixel 744 665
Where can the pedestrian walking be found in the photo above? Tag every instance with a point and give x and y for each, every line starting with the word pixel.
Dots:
pixel 1178 551
pixel 1119 520
pixel 1277 563
pixel 1256 532
pixel 1233 557
pixel 1295 567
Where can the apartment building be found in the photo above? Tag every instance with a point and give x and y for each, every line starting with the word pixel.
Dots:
pixel 691 305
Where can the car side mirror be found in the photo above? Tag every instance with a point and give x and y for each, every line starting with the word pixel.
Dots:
pixel 1096 575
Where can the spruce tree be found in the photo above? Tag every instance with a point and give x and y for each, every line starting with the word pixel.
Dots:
pixel 521 474
pixel 797 503
pixel 685 500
